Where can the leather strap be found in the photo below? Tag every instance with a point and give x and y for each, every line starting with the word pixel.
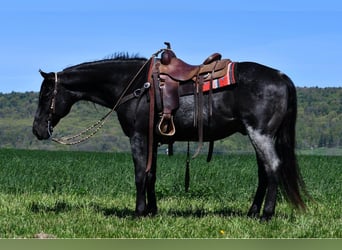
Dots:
pixel 199 113
pixel 151 118
pixel 158 94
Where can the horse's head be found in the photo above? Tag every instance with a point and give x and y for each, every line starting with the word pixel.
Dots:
pixel 99 82
pixel 54 103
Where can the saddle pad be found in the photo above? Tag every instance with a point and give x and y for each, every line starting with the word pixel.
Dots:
pixel 228 79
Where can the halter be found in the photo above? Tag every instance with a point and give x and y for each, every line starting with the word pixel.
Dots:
pixel 93 129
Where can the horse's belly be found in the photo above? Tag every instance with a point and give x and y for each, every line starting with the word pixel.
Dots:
pixel 212 130
pixel 221 124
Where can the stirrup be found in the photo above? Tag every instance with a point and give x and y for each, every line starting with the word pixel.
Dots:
pixel 166 126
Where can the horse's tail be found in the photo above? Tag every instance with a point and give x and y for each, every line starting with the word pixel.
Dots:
pixel 291 180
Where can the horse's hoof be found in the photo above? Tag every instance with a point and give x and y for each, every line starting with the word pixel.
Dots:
pixel 253 212
pixel 252 215
pixel 265 218
pixel 147 212
pixel 140 213
pixel 152 211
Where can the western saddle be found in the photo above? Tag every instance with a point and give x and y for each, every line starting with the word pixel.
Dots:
pixel 172 73
pixel 170 78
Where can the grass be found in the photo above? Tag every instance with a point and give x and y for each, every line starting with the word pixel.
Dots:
pixel 92 195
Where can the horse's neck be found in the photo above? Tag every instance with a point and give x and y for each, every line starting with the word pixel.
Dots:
pixel 104 84
pixel 105 93
pixel 103 90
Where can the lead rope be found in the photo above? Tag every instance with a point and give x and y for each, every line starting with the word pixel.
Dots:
pixel 93 129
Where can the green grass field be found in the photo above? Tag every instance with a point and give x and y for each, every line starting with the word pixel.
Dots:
pixel 92 195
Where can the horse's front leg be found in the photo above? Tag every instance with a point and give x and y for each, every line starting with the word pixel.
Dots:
pixel 144 181
pixel 139 148
pixel 151 180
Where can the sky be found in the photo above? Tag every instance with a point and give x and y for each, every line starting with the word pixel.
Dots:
pixel 300 38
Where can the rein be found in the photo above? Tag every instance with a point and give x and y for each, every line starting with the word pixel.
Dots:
pixel 93 129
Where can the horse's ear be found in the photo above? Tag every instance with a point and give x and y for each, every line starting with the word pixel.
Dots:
pixel 43 74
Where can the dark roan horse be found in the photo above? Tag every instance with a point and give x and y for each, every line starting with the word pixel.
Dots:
pixel 262 105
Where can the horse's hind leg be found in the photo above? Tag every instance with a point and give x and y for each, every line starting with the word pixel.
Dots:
pixel 268 163
pixel 254 211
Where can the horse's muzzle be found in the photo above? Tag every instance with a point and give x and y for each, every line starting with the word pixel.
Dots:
pixel 42 132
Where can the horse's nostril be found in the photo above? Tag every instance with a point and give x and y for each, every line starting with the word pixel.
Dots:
pixel 35 132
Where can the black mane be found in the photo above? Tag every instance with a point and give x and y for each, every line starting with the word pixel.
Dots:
pixel 119 56
pixel 124 56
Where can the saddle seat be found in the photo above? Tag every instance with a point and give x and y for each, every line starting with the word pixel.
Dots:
pixel 181 71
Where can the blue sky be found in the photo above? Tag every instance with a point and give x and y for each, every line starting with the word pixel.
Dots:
pixel 302 39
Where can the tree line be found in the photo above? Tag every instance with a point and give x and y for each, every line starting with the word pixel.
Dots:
pixel 319 124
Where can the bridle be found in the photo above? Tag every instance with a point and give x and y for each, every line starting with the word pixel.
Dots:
pixel 93 129
pixel 52 108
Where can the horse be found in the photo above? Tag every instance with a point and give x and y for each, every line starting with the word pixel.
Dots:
pixel 261 105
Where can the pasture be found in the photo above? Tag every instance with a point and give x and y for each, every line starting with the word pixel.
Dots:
pixel 92 195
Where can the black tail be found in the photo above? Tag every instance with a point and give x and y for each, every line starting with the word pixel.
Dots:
pixel 291 180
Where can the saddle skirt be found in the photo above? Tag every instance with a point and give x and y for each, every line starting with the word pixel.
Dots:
pixel 224 81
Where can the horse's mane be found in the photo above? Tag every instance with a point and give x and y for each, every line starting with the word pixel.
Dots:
pixel 124 56
pixel 119 56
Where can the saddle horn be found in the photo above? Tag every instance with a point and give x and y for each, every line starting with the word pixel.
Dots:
pixel 166 56
pixel 168 45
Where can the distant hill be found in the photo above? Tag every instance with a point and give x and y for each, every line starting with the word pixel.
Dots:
pixel 319 124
